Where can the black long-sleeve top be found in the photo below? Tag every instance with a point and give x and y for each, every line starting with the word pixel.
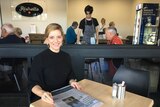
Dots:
pixel 51 70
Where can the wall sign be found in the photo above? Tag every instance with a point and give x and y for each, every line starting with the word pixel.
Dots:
pixel 29 9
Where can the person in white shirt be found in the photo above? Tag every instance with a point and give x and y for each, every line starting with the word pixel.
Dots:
pixel 102 28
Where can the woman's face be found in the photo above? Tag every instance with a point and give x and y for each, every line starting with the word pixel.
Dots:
pixel 55 40
pixel 103 21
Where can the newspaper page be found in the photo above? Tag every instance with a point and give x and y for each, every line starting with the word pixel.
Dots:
pixel 70 97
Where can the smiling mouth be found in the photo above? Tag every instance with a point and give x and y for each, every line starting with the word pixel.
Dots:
pixel 56 44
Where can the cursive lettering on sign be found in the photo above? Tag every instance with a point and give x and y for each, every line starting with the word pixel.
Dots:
pixel 29 9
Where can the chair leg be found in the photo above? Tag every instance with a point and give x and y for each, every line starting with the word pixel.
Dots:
pixel 91 72
pixel 100 71
pixel 18 86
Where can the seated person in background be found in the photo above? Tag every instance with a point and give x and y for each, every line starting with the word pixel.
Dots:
pixel 112 24
pixel 8 35
pixel 71 36
pixel 18 32
pixel 111 36
pixel 51 69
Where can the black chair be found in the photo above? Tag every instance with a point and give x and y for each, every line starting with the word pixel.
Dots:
pixel 14 100
pixel 129 39
pixel 137 81
pixel 89 61
pixel 13 64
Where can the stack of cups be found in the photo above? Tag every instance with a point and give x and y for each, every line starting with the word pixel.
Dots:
pixel 118 90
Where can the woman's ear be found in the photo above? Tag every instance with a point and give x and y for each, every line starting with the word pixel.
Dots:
pixel 46 41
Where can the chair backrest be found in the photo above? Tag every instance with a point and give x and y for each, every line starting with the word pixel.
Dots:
pixel 137 81
pixel 129 39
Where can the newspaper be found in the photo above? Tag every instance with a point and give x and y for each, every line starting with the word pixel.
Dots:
pixel 70 97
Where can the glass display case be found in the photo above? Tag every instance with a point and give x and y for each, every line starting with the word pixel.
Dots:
pixel 146 24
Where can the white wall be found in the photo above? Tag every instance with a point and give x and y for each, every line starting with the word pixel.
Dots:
pixel 56 10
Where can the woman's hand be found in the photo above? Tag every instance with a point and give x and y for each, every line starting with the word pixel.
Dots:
pixel 47 97
pixel 75 84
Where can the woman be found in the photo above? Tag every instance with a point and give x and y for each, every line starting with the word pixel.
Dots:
pixel 102 29
pixel 103 25
pixel 51 69
pixel 18 32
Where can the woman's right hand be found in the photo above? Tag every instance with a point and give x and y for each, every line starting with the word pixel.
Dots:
pixel 47 97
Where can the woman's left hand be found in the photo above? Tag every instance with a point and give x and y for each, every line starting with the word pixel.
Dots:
pixel 75 84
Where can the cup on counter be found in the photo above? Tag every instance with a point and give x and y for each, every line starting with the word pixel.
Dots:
pixel 121 91
pixel 114 90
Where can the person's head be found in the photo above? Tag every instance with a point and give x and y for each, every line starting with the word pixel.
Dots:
pixel 88 11
pixel 111 24
pixel 54 36
pixel 110 32
pixel 18 31
pixel 7 29
pixel 74 24
pixel 103 21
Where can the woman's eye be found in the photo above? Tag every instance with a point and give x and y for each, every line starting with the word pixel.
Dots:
pixel 59 37
pixel 51 37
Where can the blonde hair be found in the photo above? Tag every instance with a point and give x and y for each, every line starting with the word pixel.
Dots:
pixel 52 27
pixel 111 24
pixel 103 19
pixel 18 31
